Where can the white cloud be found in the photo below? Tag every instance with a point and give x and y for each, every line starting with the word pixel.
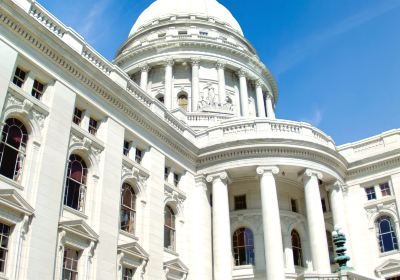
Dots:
pixel 316 117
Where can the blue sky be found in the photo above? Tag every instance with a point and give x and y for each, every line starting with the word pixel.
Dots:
pixel 337 62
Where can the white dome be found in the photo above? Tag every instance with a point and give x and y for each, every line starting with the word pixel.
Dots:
pixel 207 8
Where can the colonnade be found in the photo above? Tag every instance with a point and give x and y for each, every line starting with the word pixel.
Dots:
pixel 264 97
pixel 273 244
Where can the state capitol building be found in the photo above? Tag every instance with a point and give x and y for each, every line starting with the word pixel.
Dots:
pixel 169 162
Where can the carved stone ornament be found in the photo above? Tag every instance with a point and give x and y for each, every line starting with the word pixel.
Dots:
pixel 311 172
pixel 24 107
pixel 86 144
pixel 209 101
pixel 223 176
pixel 132 172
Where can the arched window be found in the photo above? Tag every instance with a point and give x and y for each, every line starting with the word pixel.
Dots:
pixel 13 149
pixel 243 246
pixel 169 228
pixel 128 208
pixel 331 249
pixel 386 234
pixel 183 101
pixel 296 248
pixel 75 186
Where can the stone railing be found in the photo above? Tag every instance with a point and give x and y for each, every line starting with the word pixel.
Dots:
pixel 47 19
pixel 97 60
pixel 233 130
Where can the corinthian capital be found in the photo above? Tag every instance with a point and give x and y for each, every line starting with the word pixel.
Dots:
pixel 265 170
pixel 223 176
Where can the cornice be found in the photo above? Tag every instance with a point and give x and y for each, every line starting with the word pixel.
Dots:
pixel 373 167
pixel 126 100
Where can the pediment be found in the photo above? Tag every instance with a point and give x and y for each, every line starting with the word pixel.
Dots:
pixel 12 199
pixel 176 265
pixel 133 249
pixel 389 264
pixel 80 228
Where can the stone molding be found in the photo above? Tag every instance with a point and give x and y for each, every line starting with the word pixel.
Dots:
pixel 145 68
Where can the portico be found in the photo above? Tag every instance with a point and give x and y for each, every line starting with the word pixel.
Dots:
pixel 271 220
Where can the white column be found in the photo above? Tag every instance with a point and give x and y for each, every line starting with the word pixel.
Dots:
pixel 8 57
pixel 222 246
pixel 260 100
pixel 168 83
pixel 201 257
pixel 316 222
pixel 270 107
pixel 338 210
pixel 275 269
pixel 144 77
pixel 221 82
pixel 244 97
pixel 195 83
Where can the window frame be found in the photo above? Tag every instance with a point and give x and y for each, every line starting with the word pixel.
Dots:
pixel 392 232
pixel 78 116
pixel 93 126
pixel 297 249
pixel 73 274
pixel 130 209
pixel 170 229
pixel 246 243
pixel 17 79
pixel 82 193
pixel 386 190
pixel 20 151
pixel 240 204
pixel 370 195
pixel 3 268
pixel 37 93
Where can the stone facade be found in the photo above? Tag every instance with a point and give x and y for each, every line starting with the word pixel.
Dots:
pixel 184 116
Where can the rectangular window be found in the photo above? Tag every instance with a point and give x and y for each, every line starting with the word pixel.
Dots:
pixel 166 173
pixel 126 148
pixel 385 189
pixel 92 126
pixel 4 237
pixel 70 264
pixel 19 77
pixel 177 178
pixel 138 155
pixel 182 32
pixel 162 35
pixel 323 203
pixel 38 89
pixel 293 204
pixel 77 119
pixel 128 273
pixel 240 202
pixel 203 33
pixel 370 193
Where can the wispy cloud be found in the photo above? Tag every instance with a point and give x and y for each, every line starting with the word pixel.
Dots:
pixel 297 52
pixel 90 24
pixel 316 117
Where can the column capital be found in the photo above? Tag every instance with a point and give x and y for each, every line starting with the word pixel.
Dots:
pixel 311 172
pixel 258 83
pixel 242 73
pixel 223 176
pixel 220 65
pixel 145 68
pixel 263 170
pixel 195 61
pixel 337 186
pixel 169 61
pixel 269 95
